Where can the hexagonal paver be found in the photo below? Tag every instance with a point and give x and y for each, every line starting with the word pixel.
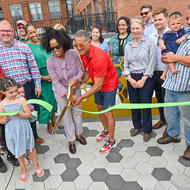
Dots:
pixel 43 178
pixel 99 174
pixel 117 148
pixel 144 168
pixel 83 182
pixel 61 158
pixel 126 143
pixel 161 174
pixel 41 149
pixel 184 161
pixel 129 174
pixel 69 174
pixel 92 133
pixel 114 168
pixel 114 157
pixel 73 163
pixel 60 131
pixel 114 181
pixel 128 162
pixel 153 134
pixel 53 182
pixel 131 185
pixel 98 186
pixel 154 151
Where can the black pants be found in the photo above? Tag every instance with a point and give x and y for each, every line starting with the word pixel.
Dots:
pixel 30 94
pixel 3 135
pixel 141 95
pixel 160 92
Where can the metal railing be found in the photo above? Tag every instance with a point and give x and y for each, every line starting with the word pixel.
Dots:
pixel 106 20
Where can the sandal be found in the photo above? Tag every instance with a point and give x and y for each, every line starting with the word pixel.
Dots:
pixel 23 177
pixel 39 172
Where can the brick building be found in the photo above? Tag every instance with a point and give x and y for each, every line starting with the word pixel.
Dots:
pixel 38 12
pixel 127 8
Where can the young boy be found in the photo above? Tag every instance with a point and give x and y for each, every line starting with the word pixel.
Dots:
pixel 172 39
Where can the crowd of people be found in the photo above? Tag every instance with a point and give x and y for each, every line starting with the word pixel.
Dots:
pixel 156 51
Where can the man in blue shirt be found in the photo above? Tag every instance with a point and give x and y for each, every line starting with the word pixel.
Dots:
pixel 146 13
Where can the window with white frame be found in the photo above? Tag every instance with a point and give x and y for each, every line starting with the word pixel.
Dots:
pixel 35 11
pixel 16 12
pixel 54 9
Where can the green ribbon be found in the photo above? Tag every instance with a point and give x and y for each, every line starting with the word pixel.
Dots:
pixel 42 103
pixel 138 106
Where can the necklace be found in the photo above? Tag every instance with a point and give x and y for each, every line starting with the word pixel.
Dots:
pixel 135 51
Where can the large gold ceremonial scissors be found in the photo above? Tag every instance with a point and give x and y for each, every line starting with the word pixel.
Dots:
pixel 71 92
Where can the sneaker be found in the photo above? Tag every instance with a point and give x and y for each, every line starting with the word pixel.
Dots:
pixel 3 168
pixel 108 146
pixel 12 160
pixel 102 136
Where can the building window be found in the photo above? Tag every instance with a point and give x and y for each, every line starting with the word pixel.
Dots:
pixel 35 11
pixel 54 9
pixel 96 6
pixel 16 12
pixel 70 7
pixel 1 14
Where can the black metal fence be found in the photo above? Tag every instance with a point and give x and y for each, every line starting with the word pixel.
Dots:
pixel 106 20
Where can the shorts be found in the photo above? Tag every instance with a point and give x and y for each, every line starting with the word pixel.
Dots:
pixel 105 98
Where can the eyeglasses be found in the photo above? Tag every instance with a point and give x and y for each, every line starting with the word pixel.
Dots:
pixel 79 45
pixel 21 27
pixel 145 13
pixel 6 31
pixel 56 47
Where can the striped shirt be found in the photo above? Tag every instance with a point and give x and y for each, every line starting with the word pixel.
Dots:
pixel 140 58
pixel 180 81
pixel 18 62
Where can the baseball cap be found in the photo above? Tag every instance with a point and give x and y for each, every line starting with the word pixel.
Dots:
pixel 23 22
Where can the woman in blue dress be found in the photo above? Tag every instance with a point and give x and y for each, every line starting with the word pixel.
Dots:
pixel 117 48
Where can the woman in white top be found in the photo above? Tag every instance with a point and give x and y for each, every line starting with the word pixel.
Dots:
pixel 139 65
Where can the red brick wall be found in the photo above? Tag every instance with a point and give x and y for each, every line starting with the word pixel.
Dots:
pixel 25 8
pixel 131 8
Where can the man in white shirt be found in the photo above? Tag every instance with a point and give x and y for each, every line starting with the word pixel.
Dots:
pixel 161 24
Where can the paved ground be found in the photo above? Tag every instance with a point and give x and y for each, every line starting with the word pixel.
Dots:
pixel 132 165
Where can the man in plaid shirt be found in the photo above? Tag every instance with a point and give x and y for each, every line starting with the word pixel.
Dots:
pixel 18 62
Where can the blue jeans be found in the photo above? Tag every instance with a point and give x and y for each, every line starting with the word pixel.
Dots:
pixel 105 98
pixel 173 114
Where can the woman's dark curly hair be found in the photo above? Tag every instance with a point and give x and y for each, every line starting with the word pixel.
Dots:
pixel 101 39
pixel 60 36
pixel 127 20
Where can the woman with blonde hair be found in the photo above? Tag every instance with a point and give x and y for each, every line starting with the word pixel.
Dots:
pixel 139 64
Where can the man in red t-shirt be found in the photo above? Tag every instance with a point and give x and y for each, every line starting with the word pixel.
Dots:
pixel 105 80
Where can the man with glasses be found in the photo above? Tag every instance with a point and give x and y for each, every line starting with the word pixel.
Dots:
pixel 146 13
pixel 20 25
pixel 161 24
pixel 18 62
pixel 105 80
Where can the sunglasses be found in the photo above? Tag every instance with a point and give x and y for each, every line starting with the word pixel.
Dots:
pixel 21 27
pixel 145 13
pixel 79 45
pixel 56 47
